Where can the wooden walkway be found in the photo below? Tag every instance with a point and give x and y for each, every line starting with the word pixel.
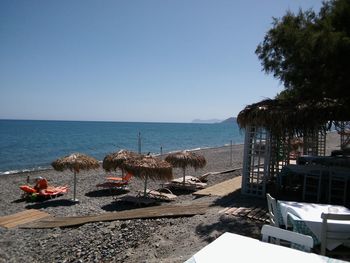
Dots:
pixel 148 212
pixel 253 213
pixel 21 218
pixel 221 189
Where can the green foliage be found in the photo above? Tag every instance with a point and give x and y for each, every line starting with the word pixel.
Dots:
pixel 310 53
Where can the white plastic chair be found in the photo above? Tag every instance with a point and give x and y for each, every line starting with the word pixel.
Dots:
pixel 338 181
pixel 312 185
pixel 272 207
pixel 327 235
pixel 303 242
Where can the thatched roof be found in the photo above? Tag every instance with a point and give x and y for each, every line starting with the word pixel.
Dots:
pixel 186 158
pixel 75 162
pixel 116 160
pixel 151 167
pixel 281 116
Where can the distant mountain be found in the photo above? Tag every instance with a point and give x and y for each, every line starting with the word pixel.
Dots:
pixel 230 120
pixel 206 121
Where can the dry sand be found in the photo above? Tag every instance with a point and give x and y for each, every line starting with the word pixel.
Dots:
pixel 148 240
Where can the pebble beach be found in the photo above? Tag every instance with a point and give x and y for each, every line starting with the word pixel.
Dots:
pixel 137 240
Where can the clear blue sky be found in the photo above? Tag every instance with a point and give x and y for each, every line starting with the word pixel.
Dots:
pixel 134 60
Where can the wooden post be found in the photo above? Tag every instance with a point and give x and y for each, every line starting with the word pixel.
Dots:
pixel 231 159
pixel 139 142
pixel 184 170
pixel 144 192
pixel 75 187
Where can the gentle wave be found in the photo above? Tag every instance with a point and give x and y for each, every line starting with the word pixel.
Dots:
pixel 100 161
pixel 26 170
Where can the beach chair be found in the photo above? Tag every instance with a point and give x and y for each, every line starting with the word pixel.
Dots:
pixel 272 207
pixel 152 197
pixel 191 183
pixel 298 241
pixel 329 234
pixel 49 192
pixel 162 194
pixel 116 182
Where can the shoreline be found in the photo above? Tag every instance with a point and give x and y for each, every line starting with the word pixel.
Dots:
pixel 46 168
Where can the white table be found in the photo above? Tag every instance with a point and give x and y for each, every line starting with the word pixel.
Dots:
pixel 236 248
pixel 310 214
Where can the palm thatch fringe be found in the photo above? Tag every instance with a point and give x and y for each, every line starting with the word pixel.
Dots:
pixel 116 160
pixel 293 117
pixel 149 167
pixel 75 162
pixel 186 158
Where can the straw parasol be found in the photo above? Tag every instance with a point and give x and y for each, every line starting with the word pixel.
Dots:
pixel 116 160
pixel 149 167
pixel 184 159
pixel 75 162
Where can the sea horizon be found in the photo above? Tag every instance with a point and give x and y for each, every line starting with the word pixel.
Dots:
pixel 30 145
pixel 176 122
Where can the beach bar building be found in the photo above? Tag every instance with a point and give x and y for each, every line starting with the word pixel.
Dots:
pixel 278 131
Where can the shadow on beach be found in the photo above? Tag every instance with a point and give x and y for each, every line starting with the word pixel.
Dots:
pixel 106 192
pixel 177 191
pixel 20 200
pixel 120 205
pixel 238 225
pixel 230 223
pixel 51 203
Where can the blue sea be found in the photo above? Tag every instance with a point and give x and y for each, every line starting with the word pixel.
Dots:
pixel 27 145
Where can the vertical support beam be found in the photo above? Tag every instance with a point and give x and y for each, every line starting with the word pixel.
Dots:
pixel 246 159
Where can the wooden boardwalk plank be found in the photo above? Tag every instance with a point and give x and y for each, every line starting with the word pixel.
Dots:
pixel 224 210
pixel 254 212
pixel 16 216
pixel 22 217
pixel 231 210
pixel 221 189
pixel 264 218
pixel 245 211
pixel 27 220
pixel 258 215
pixel 237 211
pixel 148 212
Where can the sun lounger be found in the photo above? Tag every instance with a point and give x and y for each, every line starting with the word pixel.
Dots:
pixel 116 182
pixel 121 184
pixel 152 197
pixel 191 183
pixel 49 192
pixel 163 194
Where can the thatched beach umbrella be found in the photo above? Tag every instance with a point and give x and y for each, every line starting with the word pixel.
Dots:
pixel 75 162
pixel 184 159
pixel 149 167
pixel 116 160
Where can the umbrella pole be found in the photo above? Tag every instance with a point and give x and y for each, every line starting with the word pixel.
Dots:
pixel 144 191
pixel 184 170
pixel 75 186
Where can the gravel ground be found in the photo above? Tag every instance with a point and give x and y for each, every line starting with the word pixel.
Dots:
pixel 146 240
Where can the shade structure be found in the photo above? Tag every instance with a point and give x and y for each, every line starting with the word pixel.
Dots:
pixel 75 162
pixel 294 117
pixel 113 161
pixel 149 167
pixel 186 159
